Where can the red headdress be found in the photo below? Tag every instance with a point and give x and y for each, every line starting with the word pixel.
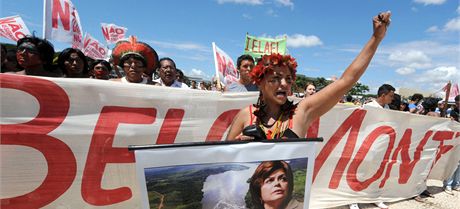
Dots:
pixel 123 48
pixel 267 64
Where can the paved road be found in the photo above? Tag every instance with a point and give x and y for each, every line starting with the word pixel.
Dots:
pixel 441 200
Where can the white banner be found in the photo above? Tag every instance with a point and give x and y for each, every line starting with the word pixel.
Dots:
pixel 218 177
pixel 113 33
pixel 13 28
pixel 93 48
pixel 62 23
pixel 225 67
pixel 64 143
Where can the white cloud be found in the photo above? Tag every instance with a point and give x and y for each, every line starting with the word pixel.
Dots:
pixel 458 10
pixel 299 40
pixel 428 2
pixel 246 16
pixel 198 73
pixel 287 3
pixel 181 46
pixel 411 58
pixel 271 12
pixel 250 2
pixel 432 29
pixel 405 71
pixel 438 77
pixel 452 25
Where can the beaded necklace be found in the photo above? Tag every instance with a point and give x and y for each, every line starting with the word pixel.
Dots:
pixel 277 130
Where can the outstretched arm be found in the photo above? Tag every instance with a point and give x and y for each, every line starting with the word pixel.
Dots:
pixel 324 100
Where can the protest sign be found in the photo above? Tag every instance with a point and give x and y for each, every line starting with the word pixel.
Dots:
pixel 257 46
pixel 222 173
pixel 113 33
pixel 225 67
pixel 92 48
pixel 64 143
pixel 62 23
pixel 13 28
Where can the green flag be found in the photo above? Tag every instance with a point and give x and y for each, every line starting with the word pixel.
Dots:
pixel 256 47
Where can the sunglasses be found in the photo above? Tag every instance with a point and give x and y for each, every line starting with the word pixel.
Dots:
pixel 28 47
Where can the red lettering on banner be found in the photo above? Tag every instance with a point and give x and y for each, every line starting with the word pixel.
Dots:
pixel 268 49
pixel 353 122
pixel 14 27
pixel 254 41
pixel 220 125
pixel 101 153
pixel 407 166
pixel 7 20
pixel 222 64
pixel 19 35
pixel 59 14
pixel 105 32
pixel 352 179
pixel 442 136
pixel 62 165
pixel 119 31
pixel 170 126
pixel 248 40
pixel 86 42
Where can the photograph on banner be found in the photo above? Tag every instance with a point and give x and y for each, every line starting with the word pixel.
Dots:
pixel 224 182
pixel 207 185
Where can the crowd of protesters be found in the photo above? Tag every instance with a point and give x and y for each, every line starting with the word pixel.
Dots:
pixel 137 62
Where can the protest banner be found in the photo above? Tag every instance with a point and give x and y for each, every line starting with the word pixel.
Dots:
pixel 64 143
pixel 257 46
pixel 62 23
pixel 113 33
pixel 225 67
pixel 220 174
pixel 92 48
pixel 13 28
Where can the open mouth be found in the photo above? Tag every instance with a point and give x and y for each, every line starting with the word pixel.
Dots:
pixel 281 94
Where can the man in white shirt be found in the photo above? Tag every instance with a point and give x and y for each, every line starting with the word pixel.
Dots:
pixel 385 95
pixel 167 71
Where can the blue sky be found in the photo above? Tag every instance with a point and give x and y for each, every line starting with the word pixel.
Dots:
pixel 421 49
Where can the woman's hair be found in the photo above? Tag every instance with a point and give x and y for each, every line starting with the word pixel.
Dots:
pixel 268 63
pixel 65 54
pixel 103 62
pixel 263 171
pixel 429 104
pixel 44 47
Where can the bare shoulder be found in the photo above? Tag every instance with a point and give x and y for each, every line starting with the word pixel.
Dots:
pixel 241 120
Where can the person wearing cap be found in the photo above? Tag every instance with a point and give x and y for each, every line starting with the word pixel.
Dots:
pixel 35 56
pixel 135 58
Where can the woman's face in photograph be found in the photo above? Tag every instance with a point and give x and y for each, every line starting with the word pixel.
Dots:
pixel 275 187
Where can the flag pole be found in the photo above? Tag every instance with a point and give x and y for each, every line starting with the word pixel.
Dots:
pixel 44 18
pixel 446 101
